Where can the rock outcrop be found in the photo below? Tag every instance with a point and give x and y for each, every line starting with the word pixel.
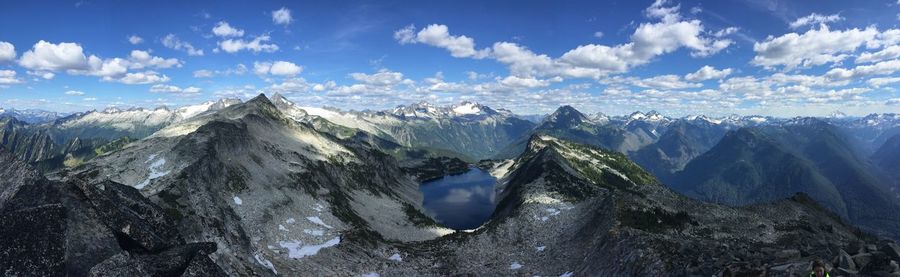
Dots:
pixel 70 227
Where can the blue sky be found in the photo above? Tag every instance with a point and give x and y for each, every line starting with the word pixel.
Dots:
pixel 782 58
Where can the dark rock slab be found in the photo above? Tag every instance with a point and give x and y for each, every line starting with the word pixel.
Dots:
pixel 137 222
pixel 33 241
pixel 172 262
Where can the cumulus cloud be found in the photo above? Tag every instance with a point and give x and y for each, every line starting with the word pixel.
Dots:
pixel 282 16
pixel 223 29
pixel 439 36
pixel 8 77
pixel 383 77
pixel 74 93
pixel 880 68
pixel 888 53
pixel 815 19
pixel 46 56
pixel 256 45
pixel 140 59
pixel 878 82
pixel 665 82
pixel 278 68
pixel 135 40
pixel 173 42
pixel 174 89
pixel 7 52
pixel 815 47
pixel 530 82
pixel 707 73
pixel 648 41
pixel 139 78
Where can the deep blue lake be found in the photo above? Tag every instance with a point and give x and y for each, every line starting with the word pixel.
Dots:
pixel 463 201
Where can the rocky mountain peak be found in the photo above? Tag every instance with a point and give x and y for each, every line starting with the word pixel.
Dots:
pixel 565 117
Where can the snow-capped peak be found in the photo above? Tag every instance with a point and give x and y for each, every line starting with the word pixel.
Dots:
pixel 837 114
pixel 637 115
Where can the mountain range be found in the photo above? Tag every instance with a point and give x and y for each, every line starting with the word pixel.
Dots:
pixel 268 187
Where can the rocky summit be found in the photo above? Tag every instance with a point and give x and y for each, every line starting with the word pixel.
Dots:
pixel 263 188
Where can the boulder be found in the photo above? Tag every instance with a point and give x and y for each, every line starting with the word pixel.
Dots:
pixel 845 261
pixel 892 250
pixel 862 260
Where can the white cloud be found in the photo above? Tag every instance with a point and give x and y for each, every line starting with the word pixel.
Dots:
pixel 815 47
pixel 648 41
pixel 135 40
pixel 46 56
pixel 880 68
pixel 707 73
pixel 223 29
pixel 530 82
pixel 203 73
pixel 8 77
pixel 383 77
pixel 173 42
pixel 665 82
pixel 598 34
pixel 284 68
pixel 90 99
pixel 240 69
pixel 438 35
pixel 888 53
pixel 174 89
pixel 279 68
pixel 74 93
pixel 815 19
pixel 7 52
pixel 140 59
pixel 256 45
pixel 725 32
pixel 523 62
pixel 326 86
pixel 46 75
pixel 878 82
pixel 140 78
pixel 282 16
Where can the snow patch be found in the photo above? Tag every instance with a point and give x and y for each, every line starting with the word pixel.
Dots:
pixel 540 248
pixel 515 266
pixel 264 262
pixel 237 200
pixel 155 171
pixel 314 232
pixel 567 274
pixel 317 220
pixel 396 257
pixel 371 274
pixel 290 221
pixel 281 227
pixel 297 250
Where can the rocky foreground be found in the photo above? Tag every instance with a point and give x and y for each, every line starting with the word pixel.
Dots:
pixel 250 191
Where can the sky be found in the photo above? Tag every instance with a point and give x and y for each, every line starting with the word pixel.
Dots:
pixel 765 57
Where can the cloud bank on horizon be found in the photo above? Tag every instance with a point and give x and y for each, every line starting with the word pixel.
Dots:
pixel 676 57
